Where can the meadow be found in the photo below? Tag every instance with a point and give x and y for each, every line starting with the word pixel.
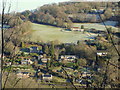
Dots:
pixel 47 33
pixel 99 26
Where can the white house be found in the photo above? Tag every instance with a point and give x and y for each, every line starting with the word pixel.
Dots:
pixel 68 57
pixel 101 52
pixel 84 74
pixel 44 60
pixel 47 77
pixel 27 61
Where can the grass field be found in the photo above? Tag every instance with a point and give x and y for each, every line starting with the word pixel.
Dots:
pixel 98 26
pixel 47 33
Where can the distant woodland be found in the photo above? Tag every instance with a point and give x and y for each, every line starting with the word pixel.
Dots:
pixel 66 13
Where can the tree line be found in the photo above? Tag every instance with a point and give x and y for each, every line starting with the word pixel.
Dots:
pixel 63 14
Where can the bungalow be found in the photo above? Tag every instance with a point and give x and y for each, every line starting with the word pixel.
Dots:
pixel 70 58
pixel 23 74
pixel 47 77
pixel 101 53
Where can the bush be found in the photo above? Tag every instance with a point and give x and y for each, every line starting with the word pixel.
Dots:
pixel 69 65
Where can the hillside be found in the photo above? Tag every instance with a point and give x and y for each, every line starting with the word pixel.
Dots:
pixel 47 33
pixel 69 12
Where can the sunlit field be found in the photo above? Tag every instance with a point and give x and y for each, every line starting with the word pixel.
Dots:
pixel 98 26
pixel 47 33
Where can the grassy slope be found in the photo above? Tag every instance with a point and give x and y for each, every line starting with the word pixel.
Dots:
pixel 50 33
pixel 47 33
pixel 98 26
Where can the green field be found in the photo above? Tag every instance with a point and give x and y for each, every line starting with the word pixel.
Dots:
pixel 98 26
pixel 47 33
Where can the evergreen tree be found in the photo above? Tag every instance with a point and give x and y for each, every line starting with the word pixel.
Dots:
pixel 46 50
pixel 82 26
pixel 22 44
pixel 52 53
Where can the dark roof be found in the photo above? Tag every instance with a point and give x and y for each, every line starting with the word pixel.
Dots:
pixel 34 47
pixel 47 75
pixel 25 72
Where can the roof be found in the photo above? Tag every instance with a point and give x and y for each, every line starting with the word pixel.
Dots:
pixel 24 60
pixel 44 59
pixel 69 55
pixel 33 47
pixel 25 72
pixel 75 27
pixel 47 75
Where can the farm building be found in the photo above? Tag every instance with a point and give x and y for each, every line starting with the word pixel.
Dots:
pixel 77 29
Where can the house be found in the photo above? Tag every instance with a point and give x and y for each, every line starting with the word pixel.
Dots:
pixel 3 56
pixel 8 63
pixel 77 29
pixel 78 80
pixel 44 60
pixel 102 53
pixel 70 58
pixel 30 61
pixel 34 49
pixel 41 52
pixel 85 74
pixel 26 61
pixel 25 50
pixel 47 77
pixel 23 74
pixel 40 57
pixel 95 11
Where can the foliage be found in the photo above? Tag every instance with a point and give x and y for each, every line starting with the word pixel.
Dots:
pixel 58 15
pixel 70 65
pixel 46 49
pixel 82 26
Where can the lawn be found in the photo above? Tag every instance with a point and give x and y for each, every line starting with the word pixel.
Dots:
pixel 49 33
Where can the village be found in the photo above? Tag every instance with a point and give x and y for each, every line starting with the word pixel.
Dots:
pixel 33 62
pixel 61 45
